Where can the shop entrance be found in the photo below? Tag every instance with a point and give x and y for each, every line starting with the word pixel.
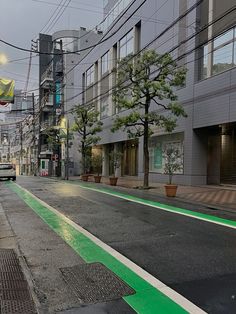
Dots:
pixel 221 166
pixel 130 158
pixel 228 154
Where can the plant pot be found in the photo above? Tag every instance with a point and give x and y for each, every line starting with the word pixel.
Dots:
pixel 171 190
pixel 113 180
pixel 84 177
pixel 97 179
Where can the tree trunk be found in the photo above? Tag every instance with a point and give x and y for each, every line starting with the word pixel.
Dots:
pixel 146 150
pixel 83 157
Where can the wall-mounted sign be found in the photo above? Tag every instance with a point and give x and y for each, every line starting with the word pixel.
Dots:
pixel 6 91
pixel 58 95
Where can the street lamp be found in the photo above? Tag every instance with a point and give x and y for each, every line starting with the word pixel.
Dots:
pixel 64 125
pixel 3 58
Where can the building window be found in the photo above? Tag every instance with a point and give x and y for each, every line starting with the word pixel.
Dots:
pixel 104 111
pixel 127 45
pixel 158 144
pixel 90 76
pixel 222 57
pixel 105 63
pixel 113 13
pixel 223 52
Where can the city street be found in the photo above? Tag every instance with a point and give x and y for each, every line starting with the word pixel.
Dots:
pixel 191 252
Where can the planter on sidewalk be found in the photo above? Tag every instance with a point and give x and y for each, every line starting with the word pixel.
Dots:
pixel 171 190
pixel 173 163
pixel 113 180
pixel 97 167
pixel 97 179
pixel 115 158
pixel 84 177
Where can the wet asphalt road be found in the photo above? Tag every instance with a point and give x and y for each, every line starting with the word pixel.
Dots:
pixel 195 258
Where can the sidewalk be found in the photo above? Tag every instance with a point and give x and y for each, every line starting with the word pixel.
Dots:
pixel 15 285
pixel 222 196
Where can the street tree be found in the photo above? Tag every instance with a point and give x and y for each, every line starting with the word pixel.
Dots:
pixel 146 87
pixel 87 126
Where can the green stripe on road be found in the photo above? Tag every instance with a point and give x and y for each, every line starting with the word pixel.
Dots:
pixel 169 208
pixel 147 300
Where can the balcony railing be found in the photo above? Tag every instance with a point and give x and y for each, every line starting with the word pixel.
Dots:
pixel 47 102
pixel 47 77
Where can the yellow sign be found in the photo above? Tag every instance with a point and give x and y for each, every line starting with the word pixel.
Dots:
pixel 6 90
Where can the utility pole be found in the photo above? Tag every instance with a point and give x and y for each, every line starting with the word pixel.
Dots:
pixel 21 147
pixel 34 136
pixel 67 150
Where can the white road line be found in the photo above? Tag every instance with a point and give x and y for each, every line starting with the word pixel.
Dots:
pixel 173 295
pixel 158 206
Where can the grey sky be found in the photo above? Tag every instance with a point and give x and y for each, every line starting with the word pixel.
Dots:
pixel 22 20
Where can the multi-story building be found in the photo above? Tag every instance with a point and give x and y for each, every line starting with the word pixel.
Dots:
pixel 56 93
pixel 16 113
pixel 201 35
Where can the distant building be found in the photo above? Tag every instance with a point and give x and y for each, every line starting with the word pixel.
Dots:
pixel 10 135
pixel 56 94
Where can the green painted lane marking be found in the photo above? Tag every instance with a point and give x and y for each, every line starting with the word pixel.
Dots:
pixel 165 207
pixel 147 300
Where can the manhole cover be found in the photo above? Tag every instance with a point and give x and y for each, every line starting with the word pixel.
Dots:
pixel 13 284
pixel 94 283
pixel 9 261
pixel 16 306
pixel 14 295
pixel 11 276
pixel 7 254
pixel 10 268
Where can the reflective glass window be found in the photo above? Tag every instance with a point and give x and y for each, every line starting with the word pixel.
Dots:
pixel 90 76
pixel 221 40
pixel 222 59
pixel 105 63
pixel 127 45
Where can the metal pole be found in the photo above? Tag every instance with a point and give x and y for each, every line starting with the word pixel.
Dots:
pixel 67 150
pixel 21 147
pixel 34 136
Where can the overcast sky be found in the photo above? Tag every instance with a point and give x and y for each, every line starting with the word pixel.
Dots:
pixel 22 20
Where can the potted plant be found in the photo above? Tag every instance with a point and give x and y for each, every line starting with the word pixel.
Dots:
pixel 115 158
pixel 173 163
pixel 97 167
pixel 86 125
pixel 86 164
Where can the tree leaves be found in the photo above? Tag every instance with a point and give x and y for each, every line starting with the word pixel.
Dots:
pixel 87 126
pixel 148 79
pixel 145 82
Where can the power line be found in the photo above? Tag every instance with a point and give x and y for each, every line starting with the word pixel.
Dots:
pixel 171 50
pixel 17 74
pixel 71 52
pixel 157 37
pixel 28 73
pixel 161 34
pixel 182 56
pixel 77 51
pixel 51 17
pixel 20 59
pixel 72 7
pixel 58 15
pixel 130 16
